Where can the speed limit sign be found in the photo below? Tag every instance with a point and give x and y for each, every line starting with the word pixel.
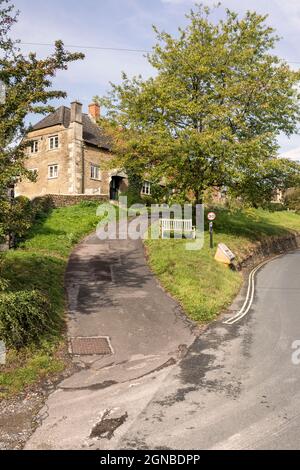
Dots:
pixel 211 216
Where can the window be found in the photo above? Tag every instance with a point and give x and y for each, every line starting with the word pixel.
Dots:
pixel 53 142
pixel 146 189
pixel 34 146
pixel 95 172
pixel 52 171
pixel 34 171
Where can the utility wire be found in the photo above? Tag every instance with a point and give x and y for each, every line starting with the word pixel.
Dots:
pixel 119 49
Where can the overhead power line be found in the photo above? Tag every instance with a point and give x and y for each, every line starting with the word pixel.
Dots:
pixel 119 49
pixel 102 48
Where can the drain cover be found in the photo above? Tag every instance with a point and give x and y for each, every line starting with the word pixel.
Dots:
pixel 90 345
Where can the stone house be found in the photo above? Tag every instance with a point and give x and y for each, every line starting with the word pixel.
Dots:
pixel 69 154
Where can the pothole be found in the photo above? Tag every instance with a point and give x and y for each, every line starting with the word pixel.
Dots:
pixel 106 427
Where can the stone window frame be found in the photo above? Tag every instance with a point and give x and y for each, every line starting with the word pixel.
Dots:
pixel 53 142
pixel 94 166
pixel 54 174
pixel 146 188
pixel 34 170
pixel 34 146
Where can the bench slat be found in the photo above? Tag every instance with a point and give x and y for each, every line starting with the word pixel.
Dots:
pixel 176 224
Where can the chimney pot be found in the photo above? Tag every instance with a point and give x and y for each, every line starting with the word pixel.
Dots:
pixel 94 111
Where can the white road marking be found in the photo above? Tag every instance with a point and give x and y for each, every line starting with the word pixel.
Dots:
pixel 250 295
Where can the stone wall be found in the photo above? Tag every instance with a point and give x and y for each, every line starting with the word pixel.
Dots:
pixel 269 247
pixel 93 155
pixel 63 200
pixel 41 160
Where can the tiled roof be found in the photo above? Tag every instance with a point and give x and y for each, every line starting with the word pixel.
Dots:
pixel 92 133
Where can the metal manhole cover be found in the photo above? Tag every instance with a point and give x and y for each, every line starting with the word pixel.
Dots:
pixel 90 345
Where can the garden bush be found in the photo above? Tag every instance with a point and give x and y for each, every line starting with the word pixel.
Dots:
pixel 292 199
pixel 42 206
pixel 24 318
pixel 90 203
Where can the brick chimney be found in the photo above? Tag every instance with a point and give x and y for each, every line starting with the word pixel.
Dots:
pixel 94 111
pixel 76 112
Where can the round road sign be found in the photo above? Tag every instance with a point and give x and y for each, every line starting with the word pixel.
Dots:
pixel 211 216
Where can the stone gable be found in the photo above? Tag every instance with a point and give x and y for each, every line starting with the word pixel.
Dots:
pixel 68 144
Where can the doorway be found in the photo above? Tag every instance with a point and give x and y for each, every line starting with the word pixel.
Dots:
pixel 115 187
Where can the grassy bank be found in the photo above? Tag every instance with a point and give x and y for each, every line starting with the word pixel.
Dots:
pixel 203 286
pixel 39 263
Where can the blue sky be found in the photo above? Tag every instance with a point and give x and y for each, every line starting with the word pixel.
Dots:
pixel 127 24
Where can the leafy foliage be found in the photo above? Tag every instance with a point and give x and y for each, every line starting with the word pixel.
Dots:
pixel 20 216
pixel 212 113
pixel 133 192
pixel 292 199
pixel 24 318
pixel 28 84
pixel 22 213
pixel 259 184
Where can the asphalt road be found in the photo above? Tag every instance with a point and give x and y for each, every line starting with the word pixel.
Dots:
pixel 236 388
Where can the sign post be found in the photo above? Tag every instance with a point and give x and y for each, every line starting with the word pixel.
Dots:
pixel 211 217
pixel 211 234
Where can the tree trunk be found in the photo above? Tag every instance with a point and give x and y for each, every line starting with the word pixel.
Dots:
pixel 198 197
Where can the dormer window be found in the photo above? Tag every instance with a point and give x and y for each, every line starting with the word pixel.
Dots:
pixel 53 142
pixel 34 146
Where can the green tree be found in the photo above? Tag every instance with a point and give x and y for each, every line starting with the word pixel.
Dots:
pixel 28 89
pixel 258 184
pixel 214 109
pixel 292 199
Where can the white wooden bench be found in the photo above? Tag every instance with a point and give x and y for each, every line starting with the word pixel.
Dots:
pixel 182 226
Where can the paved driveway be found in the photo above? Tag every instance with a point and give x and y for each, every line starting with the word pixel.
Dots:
pixel 112 293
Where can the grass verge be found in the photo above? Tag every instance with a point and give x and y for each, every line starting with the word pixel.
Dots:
pixel 203 286
pixel 40 263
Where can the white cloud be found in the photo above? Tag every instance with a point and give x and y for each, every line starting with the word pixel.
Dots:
pixel 293 155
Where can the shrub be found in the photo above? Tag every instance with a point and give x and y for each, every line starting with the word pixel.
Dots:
pixel 41 206
pixel 89 203
pixel 292 199
pixel 24 318
pixel 159 194
pixel 148 200
pixel 4 283
pixel 20 216
pixel 132 198
pixel 274 207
